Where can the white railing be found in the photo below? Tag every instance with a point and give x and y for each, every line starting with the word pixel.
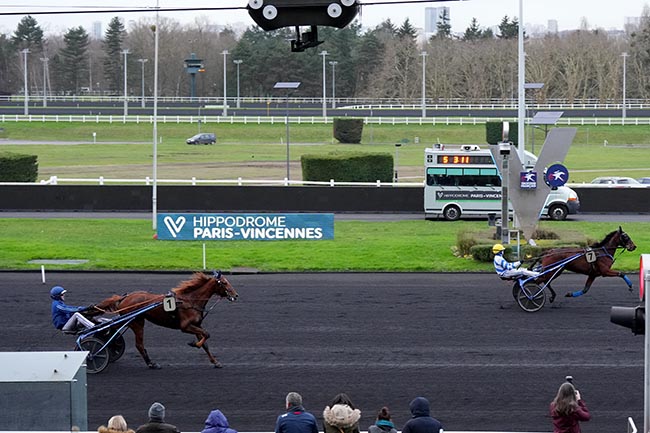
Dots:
pixel 101 180
pixel 310 120
pixel 631 427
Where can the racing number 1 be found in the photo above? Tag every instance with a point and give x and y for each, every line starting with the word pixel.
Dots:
pixel 169 303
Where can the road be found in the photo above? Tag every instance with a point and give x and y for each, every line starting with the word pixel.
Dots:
pixel 384 338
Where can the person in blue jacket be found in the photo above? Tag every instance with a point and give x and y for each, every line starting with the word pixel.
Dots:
pixel 296 420
pixel 66 317
pixel 506 269
pixel 217 423
pixel 421 421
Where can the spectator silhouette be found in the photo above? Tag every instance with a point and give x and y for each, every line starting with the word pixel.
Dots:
pixel 341 416
pixel 116 424
pixel 296 419
pixel 384 424
pixel 421 420
pixel 157 422
pixel 217 423
pixel 567 410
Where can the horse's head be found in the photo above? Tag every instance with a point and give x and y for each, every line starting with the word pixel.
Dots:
pixel 223 287
pixel 625 241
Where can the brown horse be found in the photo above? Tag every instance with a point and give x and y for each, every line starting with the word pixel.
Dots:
pixel 189 300
pixel 595 261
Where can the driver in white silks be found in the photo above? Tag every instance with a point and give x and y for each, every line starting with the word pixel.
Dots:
pixel 506 269
pixel 66 317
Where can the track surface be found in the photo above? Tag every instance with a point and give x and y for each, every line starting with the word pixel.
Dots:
pixel 383 338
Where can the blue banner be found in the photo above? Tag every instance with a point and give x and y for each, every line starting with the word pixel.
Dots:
pixel 238 227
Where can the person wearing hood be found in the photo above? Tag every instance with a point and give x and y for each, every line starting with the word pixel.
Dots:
pixel 384 424
pixel 217 423
pixel 116 424
pixel 421 421
pixel 341 416
pixel 157 422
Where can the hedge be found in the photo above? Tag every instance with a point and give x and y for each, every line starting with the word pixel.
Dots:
pixel 348 167
pixel 15 167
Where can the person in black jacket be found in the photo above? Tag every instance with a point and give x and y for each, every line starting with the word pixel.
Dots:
pixel 296 420
pixel 157 422
pixel 421 421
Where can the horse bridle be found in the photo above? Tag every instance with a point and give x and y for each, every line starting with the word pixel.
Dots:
pixel 217 277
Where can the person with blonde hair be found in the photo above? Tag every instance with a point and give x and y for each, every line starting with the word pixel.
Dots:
pixel 341 416
pixel 116 424
pixel 567 410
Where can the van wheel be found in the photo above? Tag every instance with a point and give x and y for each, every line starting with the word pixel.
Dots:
pixel 558 212
pixel 451 213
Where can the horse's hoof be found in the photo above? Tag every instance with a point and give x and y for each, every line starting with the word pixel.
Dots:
pixel 551 299
pixel 192 344
pixel 218 365
pixel 569 295
pixel 154 366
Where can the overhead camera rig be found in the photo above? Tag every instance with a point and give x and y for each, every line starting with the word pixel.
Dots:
pixel 275 14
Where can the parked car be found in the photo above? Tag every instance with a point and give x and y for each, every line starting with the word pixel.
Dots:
pixel 202 138
pixel 644 180
pixel 615 180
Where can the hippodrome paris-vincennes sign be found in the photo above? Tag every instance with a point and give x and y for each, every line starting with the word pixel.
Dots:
pixel 247 226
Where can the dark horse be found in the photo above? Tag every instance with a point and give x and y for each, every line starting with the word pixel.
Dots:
pixel 595 261
pixel 190 299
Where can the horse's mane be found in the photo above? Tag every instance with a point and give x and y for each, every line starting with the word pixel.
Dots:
pixel 604 241
pixel 199 279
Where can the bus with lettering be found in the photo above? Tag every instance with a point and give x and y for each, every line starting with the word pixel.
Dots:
pixel 464 181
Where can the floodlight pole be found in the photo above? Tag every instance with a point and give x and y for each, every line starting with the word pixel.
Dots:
pixel 424 81
pixel 142 62
pixel 154 191
pixel 44 60
pixel 26 91
pixel 126 101
pixel 238 62
pixel 521 114
pixel 225 88
pixel 324 54
pixel 623 110
pixel 334 63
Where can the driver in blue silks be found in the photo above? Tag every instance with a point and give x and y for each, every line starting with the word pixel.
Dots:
pixel 66 317
pixel 507 269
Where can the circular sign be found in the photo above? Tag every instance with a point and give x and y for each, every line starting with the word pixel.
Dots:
pixel 556 175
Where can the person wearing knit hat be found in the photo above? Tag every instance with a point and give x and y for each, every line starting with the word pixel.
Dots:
pixel 157 422
pixel 341 416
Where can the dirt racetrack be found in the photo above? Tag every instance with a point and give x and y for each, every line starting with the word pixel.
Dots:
pixel 384 338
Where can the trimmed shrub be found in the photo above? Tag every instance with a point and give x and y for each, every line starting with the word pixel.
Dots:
pixel 348 167
pixel 15 167
pixel 494 132
pixel 464 242
pixel 348 130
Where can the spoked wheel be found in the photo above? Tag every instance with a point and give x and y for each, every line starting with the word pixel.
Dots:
pixel 530 297
pixel 97 358
pixel 116 348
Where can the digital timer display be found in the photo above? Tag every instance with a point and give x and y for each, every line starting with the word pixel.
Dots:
pixel 464 159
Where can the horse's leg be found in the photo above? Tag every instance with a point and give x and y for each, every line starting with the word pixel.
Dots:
pixel 201 337
pixel 611 273
pixel 137 326
pixel 553 294
pixel 588 283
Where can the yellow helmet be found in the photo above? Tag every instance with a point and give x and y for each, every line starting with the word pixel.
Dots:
pixel 497 248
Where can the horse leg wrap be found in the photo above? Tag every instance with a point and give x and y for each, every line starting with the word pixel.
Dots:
pixel 574 294
pixel 627 280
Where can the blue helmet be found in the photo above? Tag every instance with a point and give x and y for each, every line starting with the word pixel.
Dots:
pixel 56 292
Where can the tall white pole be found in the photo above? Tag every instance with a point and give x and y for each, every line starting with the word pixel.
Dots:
pixel 238 62
pixel 624 109
pixel 334 63
pixel 521 115
pixel 225 88
pixel 26 92
pixel 126 101
pixel 154 192
pixel 44 60
pixel 324 54
pixel 142 62
pixel 424 83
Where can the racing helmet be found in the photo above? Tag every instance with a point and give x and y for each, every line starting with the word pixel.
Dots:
pixel 56 292
pixel 497 248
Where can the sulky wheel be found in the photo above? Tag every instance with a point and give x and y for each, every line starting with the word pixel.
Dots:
pixel 98 357
pixel 531 297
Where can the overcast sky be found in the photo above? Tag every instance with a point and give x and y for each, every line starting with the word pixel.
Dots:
pixel 568 13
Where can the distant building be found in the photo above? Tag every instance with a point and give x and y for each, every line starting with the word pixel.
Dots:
pixel 433 16
pixel 552 26
pixel 96 30
pixel 631 24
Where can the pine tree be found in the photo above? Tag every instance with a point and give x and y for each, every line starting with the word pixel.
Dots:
pixel 113 39
pixel 473 32
pixel 71 63
pixel 508 29
pixel 443 28
pixel 28 34
pixel 407 30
